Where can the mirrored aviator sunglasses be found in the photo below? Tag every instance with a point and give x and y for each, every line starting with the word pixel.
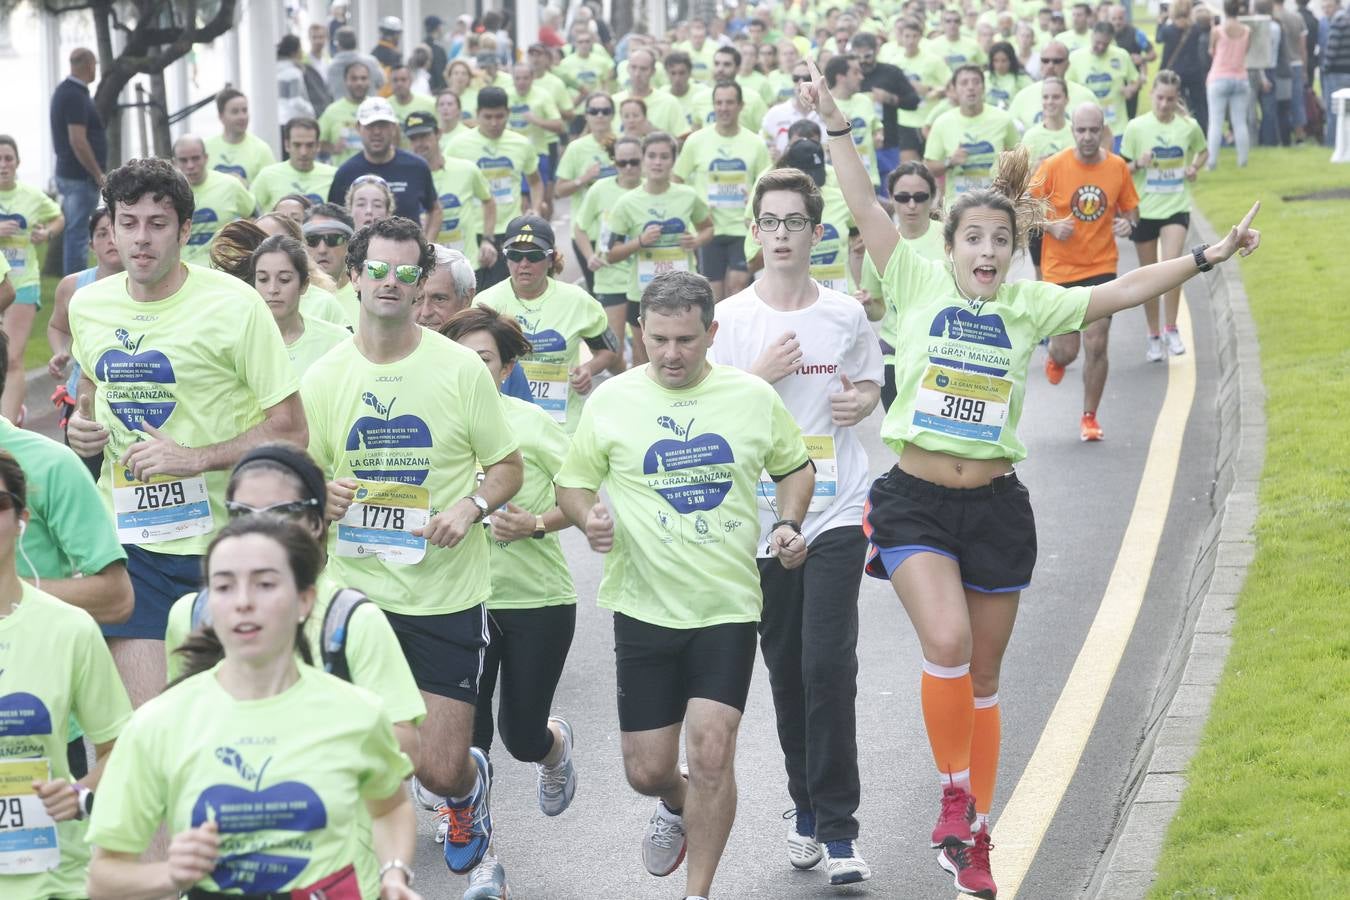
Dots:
pixel 378 270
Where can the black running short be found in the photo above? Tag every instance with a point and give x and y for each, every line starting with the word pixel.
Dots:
pixel 444 652
pixel 722 253
pixel 1149 229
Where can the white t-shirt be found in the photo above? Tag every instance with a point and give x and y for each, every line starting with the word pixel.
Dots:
pixel 780 118
pixel 835 338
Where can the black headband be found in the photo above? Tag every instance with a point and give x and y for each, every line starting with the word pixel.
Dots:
pixel 297 462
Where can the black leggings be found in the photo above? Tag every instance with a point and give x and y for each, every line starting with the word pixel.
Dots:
pixel 529 646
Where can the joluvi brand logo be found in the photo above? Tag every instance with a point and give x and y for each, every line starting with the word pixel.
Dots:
pixel 689 491
pixel 132 378
pixel 1088 203
pixel 383 448
pixel 245 812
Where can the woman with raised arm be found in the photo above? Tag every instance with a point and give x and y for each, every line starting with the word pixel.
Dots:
pixel 950 525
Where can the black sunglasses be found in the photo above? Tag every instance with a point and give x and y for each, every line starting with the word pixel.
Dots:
pixel 599 110
pixel 331 238
pixel 534 256
pixel 905 199
pixel 798 79
pixel 627 163
pixel 1053 60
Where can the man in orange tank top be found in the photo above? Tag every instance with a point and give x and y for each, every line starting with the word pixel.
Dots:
pixel 1093 202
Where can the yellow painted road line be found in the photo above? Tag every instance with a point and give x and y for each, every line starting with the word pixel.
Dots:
pixel 1022 824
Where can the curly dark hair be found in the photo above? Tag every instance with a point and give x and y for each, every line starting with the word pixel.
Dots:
pixel 158 178
pixel 395 228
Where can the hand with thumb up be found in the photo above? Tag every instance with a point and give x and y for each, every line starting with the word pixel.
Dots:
pixel 86 436
pixel 600 528
pixel 849 406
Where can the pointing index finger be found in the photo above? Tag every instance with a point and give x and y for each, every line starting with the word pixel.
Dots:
pixel 1247 221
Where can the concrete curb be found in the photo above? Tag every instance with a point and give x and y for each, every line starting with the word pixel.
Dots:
pixel 1128 866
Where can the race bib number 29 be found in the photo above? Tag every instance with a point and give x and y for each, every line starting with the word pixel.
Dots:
pixel 28 842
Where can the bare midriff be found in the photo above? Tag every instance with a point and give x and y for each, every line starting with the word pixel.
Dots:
pixel 951 471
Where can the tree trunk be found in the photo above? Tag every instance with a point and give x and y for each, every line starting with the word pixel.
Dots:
pixel 621 18
pixel 159 115
pixel 112 118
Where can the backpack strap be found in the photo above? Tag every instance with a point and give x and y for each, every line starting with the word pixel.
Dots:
pixel 201 616
pixel 336 620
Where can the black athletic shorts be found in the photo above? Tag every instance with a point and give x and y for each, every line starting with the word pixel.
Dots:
pixel 660 669
pixel 634 313
pixel 444 652
pixel 608 300
pixel 910 139
pixel 1149 229
pixel 1091 280
pixel 989 530
pixel 723 252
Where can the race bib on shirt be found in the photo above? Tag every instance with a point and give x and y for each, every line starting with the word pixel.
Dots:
pixel 727 187
pixel 381 520
pixel 28 843
pixel 969 405
pixel 548 386
pixel 164 508
pixel 658 261
pixel 820 447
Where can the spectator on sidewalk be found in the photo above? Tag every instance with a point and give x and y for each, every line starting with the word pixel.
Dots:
pixel 81 147
pixel 1335 65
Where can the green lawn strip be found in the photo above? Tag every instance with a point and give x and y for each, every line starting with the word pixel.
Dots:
pixel 1266 811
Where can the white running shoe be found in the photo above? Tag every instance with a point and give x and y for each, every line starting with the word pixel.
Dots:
pixel 663 845
pixel 430 802
pixel 558 784
pixel 803 850
pixel 487 881
pixel 1174 343
pixel 1155 350
pixel 844 863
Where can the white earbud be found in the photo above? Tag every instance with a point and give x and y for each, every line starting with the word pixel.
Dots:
pixel 23 526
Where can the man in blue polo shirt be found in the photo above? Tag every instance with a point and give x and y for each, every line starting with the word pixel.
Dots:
pixel 408 176
pixel 81 147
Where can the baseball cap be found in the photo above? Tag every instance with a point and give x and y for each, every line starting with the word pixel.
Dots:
pixel 808 156
pixel 431 23
pixel 530 230
pixel 391 23
pixel 375 109
pixel 419 123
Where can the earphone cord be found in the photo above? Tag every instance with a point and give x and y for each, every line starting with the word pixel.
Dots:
pixel 37 579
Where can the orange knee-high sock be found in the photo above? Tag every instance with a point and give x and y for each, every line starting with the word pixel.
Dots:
pixel 984 745
pixel 949 717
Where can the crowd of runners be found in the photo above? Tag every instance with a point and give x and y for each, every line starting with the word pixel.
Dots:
pixel 337 409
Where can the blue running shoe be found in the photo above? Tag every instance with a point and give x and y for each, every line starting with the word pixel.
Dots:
pixel 469 824
pixel 803 850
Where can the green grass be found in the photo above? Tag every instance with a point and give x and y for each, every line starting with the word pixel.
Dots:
pixel 1266 811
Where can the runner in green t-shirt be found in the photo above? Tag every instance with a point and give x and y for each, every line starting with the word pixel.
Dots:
pixel 966 340
pixel 241 760
pixel 845 76
pixel 929 75
pixel 592 230
pixel 237 152
pixel 1166 150
pixel 182 371
pixel 1026 104
pixel 279 271
pixel 679 445
pixel 1005 76
pixel 965 142
pixel 659 224
pixel 533 606
pixel 535 115
pixel 469 214
pixel 55 666
pixel 695 99
pixel 28 219
pixel 954 48
pixel 299 173
pixel 1051 133
pixel 663 110
pixel 587 68
pixel 723 163
pixel 339 133
pixel 402 98
pixel 556 316
pixel 327 229
pixel 218 199
pixel 400 420
pixel 1109 73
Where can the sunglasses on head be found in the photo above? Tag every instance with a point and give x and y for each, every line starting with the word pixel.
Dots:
pixel 627 163
pixel 599 110
pixel 331 238
pixel 905 199
pixel 534 256
pixel 1053 60
pixel 379 271
pixel 291 509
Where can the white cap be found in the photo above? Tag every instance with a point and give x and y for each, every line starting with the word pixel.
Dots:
pixel 391 23
pixel 375 109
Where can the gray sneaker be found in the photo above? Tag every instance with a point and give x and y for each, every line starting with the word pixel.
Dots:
pixel 487 881
pixel 663 845
pixel 558 784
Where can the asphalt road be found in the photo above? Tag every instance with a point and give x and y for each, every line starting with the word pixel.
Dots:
pixel 1083 495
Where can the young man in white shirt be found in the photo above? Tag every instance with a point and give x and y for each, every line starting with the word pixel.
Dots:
pixel 815 346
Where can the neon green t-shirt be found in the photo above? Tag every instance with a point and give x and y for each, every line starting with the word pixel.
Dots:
pixel 375 658
pixel 983 137
pixel 55 664
pixel 579 156
pixel 960 52
pixel 284 779
pixel 756 84
pixel 924 69
pixel 961 367
pixel 1027 106
pixel 1106 76
pixel 461 187
pixel 219 199
pixel 663 111
pixel 337 126
pixel 280 179
pixel 930 246
pixel 316 303
pixel 502 163
pixel 1075 41
pixel 68 528
pixel 201 365
pixel 25 206
pixel 677 210
pixel 414 432
pixel 1042 142
pixel 782 86
pixel 595 216
pixel 682 469
pixel 557 91
pixel 999 90
pixel 590 74
pixel 349 304
pixel 319 337
pixel 555 323
pixel 702 60
pixel 862 115
pixel 243 160
pixel 696 104
pixel 540 102
pixel 724 171
pixel 416 103
pixel 1162 187
pixel 829 256
pixel 529 573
